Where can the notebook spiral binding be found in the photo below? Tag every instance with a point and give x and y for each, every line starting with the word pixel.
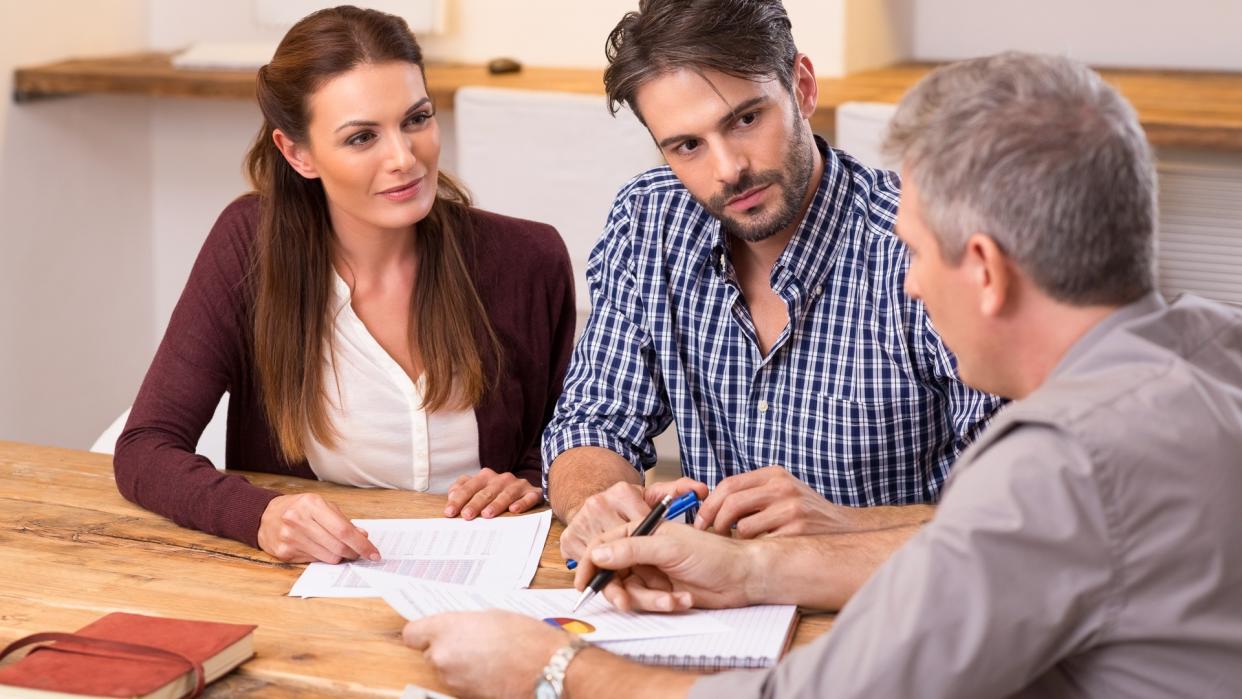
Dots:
pixel 702 662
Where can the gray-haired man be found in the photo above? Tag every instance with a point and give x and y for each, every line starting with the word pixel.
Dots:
pixel 1088 543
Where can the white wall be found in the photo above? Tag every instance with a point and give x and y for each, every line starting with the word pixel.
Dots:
pixel 1192 34
pixel 105 200
pixel 74 242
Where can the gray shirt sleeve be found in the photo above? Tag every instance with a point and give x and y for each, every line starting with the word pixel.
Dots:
pixel 1014 572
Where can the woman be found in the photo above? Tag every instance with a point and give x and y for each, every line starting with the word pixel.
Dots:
pixel 370 327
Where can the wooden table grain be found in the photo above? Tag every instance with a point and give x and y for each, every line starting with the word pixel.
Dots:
pixel 72 549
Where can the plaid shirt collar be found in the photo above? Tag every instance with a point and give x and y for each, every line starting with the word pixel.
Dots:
pixel 810 255
pixel 801 270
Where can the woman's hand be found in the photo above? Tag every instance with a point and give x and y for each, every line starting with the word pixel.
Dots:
pixel 488 493
pixel 305 528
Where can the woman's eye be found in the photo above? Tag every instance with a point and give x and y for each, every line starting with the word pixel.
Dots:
pixel 360 139
pixel 419 119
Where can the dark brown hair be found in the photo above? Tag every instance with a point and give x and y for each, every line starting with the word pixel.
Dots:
pixel 292 268
pixel 744 38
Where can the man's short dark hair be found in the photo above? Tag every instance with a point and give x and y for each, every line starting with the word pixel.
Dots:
pixel 748 39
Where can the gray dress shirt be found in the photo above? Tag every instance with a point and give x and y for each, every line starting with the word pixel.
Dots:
pixel 1089 544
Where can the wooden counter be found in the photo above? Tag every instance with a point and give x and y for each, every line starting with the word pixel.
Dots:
pixel 73 550
pixel 1177 108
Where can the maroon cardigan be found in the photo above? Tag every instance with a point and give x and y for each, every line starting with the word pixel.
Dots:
pixel 522 272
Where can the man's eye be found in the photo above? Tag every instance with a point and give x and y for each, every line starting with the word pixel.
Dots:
pixel 748 119
pixel 688 146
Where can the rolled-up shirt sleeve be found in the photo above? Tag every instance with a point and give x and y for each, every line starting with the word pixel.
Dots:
pixel 613 396
pixel 1015 572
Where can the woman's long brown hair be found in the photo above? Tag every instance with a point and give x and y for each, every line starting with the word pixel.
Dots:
pixel 292 267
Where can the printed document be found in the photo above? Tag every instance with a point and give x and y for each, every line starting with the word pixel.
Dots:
pixel 497 553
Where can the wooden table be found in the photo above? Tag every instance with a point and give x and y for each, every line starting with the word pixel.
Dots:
pixel 1192 109
pixel 72 549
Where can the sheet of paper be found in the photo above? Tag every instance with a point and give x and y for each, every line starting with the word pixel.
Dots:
pixel 596 621
pixel 502 552
pixel 413 691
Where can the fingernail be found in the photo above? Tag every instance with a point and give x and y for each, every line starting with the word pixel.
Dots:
pixel 467 513
pixel 698 520
pixel 488 512
pixel 374 556
pixel 602 554
pixel 449 512
pixel 683 598
pixel 666 604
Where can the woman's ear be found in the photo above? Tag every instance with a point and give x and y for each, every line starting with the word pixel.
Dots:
pixel 295 154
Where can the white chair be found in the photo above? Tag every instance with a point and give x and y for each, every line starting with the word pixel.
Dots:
pixel 860 131
pixel 554 157
pixel 210 444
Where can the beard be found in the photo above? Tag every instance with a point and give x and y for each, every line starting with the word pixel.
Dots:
pixel 792 181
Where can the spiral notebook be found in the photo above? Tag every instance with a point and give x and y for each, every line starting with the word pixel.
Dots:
pixel 758 637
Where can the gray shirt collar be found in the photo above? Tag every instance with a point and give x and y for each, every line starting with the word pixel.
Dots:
pixel 1146 305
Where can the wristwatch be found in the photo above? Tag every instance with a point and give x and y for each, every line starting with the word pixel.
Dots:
pixel 552 680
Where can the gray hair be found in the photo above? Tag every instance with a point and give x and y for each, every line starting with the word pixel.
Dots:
pixel 1047 159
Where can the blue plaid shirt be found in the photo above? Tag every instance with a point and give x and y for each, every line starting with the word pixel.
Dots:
pixel 858 397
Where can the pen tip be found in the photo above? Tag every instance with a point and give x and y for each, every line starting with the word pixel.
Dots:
pixel 586 595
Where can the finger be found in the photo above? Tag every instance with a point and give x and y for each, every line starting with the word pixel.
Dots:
pixel 771 520
pixel 652 578
pixel 654 600
pixel 298 539
pixel 306 544
pixel 494 485
pixel 626 499
pixel 586 569
pixel 505 497
pixel 655 492
pixel 527 501
pixel 455 495
pixel 617 595
pixel 741 504
pixel 417 634
pixel 598 513
pixel 727 487
pixel 339 526
pixel 323 525
pixel 658 551
pixel 463 491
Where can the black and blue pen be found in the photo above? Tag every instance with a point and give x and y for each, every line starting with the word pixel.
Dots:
pixel 675 509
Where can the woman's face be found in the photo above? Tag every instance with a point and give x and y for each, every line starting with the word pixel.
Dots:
pixel 374 143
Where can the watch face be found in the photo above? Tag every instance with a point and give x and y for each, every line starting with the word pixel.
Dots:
pixel 545 690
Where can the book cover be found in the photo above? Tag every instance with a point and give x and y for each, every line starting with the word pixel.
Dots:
pixel 72 668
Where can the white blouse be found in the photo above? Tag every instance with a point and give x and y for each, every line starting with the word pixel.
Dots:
pixel 384 437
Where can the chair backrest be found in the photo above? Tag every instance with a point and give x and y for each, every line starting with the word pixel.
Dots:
pixel 1199 239
pixel 210 443
pixel 554 157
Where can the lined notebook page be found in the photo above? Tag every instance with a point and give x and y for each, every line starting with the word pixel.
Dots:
pixel 757 638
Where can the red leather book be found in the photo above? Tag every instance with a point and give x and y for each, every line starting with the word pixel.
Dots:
pixel 128 655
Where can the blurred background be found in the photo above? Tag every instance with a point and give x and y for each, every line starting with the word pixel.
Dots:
pixel 105 197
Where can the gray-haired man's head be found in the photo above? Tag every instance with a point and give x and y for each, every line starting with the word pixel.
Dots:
pixel 1047 159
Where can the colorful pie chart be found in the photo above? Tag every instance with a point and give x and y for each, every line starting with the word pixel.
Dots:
pixel 574 626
